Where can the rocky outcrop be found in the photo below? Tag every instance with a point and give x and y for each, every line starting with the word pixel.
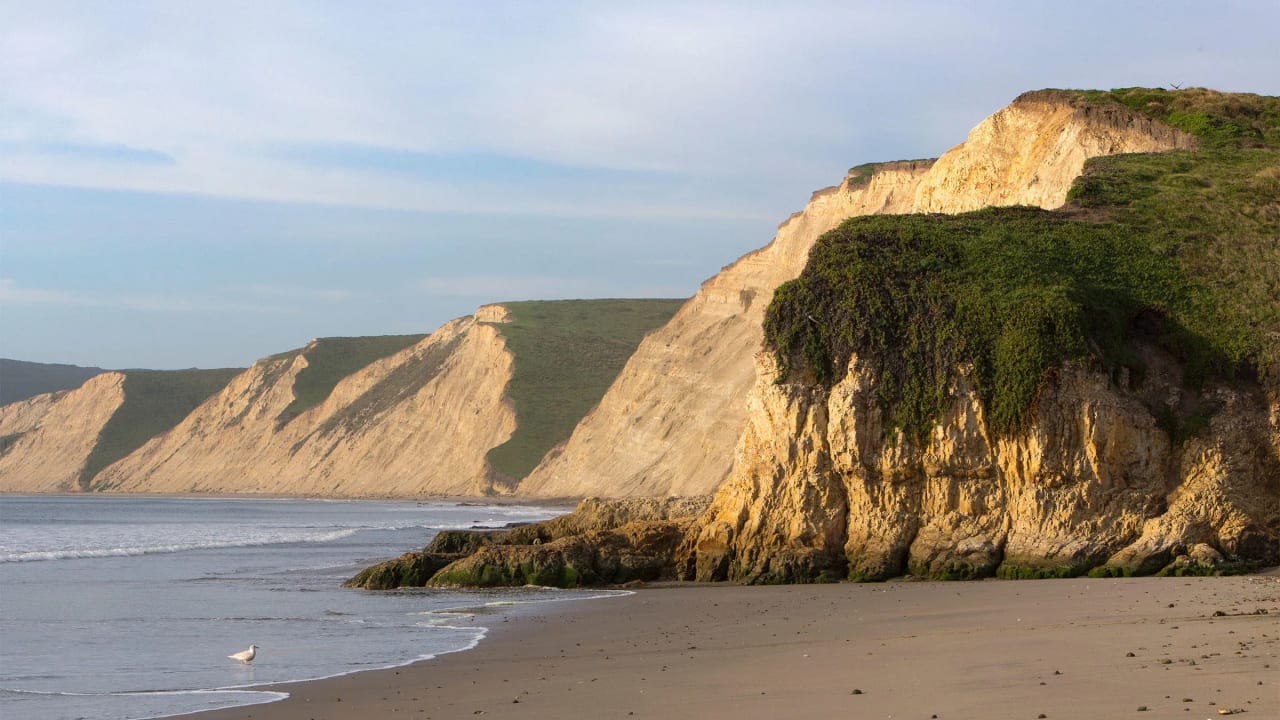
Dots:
pixel 416 422
pixel 669 423
pixel 52 435
pixel 1093 483
pixel 601 542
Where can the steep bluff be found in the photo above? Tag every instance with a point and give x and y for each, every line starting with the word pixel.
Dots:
pixel 1008 391
pixel 406 424
pixel 51 436
pixel 819 491
pixel 669 423
pixel 468 410
pixel 1025 393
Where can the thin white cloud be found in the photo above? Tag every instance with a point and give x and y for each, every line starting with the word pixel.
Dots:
pixel 302 294
pixel 14 294
pixel 495 288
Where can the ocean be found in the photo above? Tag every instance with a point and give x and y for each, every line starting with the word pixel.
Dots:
pixel 123 608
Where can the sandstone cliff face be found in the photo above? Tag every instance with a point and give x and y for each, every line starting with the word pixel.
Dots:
pixel 58 431
pixel 669 423
pixel 416 422
pixel 817 492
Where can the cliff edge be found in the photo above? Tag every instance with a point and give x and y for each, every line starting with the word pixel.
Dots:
pixel 669 423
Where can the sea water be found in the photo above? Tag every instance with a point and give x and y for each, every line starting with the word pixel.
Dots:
pixel 121 608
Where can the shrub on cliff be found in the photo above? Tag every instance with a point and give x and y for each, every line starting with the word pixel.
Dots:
pixel 1179 250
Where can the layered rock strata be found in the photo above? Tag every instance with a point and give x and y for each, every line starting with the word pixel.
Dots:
pixel 669 423
pixel 1093 483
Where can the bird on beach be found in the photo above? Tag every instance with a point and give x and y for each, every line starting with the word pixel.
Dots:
pixel 244 656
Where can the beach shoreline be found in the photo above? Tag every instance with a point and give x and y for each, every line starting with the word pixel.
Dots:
pixel 1076 648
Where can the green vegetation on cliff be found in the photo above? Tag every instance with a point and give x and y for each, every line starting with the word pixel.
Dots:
pixel 567 353
pixel 1178 250
pixel 1218 120
pixel 154 402
pixel 329 360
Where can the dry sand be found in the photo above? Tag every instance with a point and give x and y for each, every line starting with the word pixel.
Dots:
pixel 1080 648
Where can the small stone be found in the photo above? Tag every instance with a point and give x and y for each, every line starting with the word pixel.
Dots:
pixel 1041 716
pixel 1219 613
pixel 1057 672
pixel 1129 654
pixel 1187 700
pixel 856 691
pixel 1142 708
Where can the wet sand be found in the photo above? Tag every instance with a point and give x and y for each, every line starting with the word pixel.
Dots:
pixel 1081 648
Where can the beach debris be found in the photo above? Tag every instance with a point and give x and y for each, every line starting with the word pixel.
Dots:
pixel 245 656
pixel 1142 708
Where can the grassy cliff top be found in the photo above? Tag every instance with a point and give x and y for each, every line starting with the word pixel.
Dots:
pixel 1180 250
pixel 154 402
pixel 329 360
pixel 567 353
pixel 1217 119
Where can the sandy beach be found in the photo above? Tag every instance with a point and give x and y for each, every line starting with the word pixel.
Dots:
pixel 1080 648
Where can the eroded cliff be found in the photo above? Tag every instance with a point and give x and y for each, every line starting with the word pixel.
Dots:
pixel 414 422
pixel 669 423
pixel 820 491
pixel 1009 391
pixel 51 436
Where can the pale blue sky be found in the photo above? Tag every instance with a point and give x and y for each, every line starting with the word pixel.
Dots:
pixel 202 184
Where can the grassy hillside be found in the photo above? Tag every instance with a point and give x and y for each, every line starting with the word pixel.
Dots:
pixel 567 353
pixel 401 383
pixel 20 380
pixel 329 360
pixel 1180 250
pixel 154 402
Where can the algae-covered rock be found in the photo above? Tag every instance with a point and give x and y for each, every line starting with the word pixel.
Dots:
pixel 413 569
pixel 640 550
pixel 601 542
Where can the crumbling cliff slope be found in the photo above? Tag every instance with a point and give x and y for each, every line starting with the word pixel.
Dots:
pixel 669 423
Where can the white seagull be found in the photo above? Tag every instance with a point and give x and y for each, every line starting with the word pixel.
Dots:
pixel 245 656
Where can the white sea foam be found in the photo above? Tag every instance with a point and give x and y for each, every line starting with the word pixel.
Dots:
pixel 277 538
pixel 171 586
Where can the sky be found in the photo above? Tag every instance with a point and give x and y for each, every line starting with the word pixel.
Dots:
pixel 201 184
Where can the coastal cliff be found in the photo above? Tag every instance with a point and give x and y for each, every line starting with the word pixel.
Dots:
pixel 1093 484
pixel 1007 391
pixel 401 425
pixel 49 437
pixel 669 423
pixel 467 410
